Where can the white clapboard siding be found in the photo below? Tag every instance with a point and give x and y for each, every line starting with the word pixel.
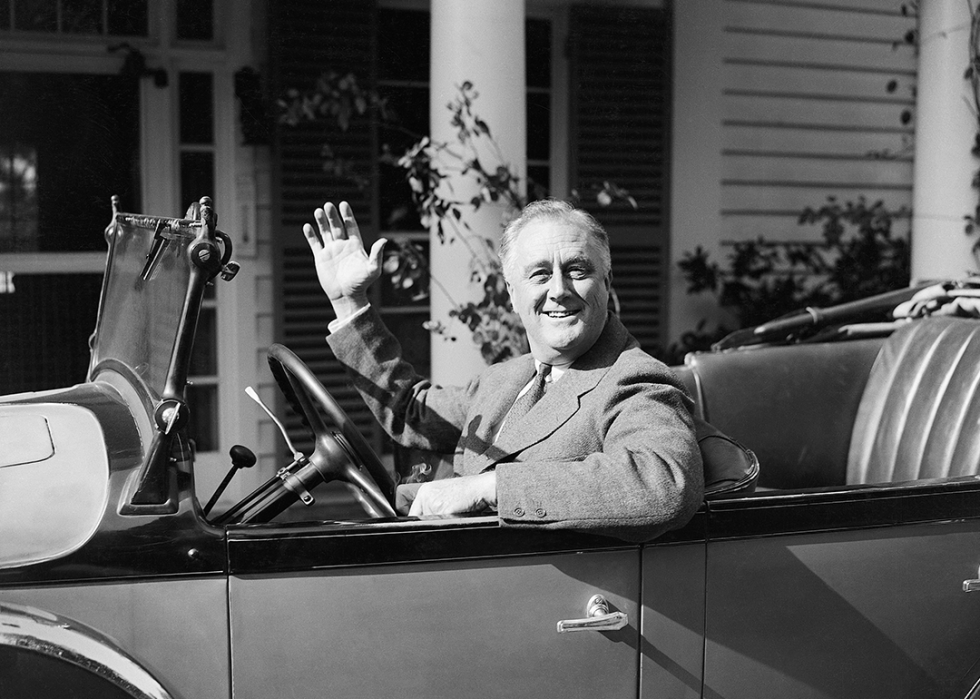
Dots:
pixel 818 83
pixel 806 49
pixel 790 199
pixel 786 108
pixel 806 105
pixel 837 142
pixel 863 21
pixel 742 169
pixel 775 227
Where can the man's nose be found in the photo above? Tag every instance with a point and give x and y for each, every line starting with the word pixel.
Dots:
pixel 558 286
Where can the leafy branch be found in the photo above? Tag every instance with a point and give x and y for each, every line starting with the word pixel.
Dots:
pixel 858 255
pixel 973 75
pixel 428 167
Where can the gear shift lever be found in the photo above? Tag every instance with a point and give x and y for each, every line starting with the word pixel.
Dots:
pixel 241 457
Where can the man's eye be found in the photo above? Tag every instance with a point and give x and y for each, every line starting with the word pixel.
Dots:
pixel 539 275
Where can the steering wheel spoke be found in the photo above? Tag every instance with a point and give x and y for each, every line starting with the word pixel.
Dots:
pixel 340 451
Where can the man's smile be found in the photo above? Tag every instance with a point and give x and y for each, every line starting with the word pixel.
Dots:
pixel 559 285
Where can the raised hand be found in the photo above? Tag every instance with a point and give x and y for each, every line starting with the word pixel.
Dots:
pixel 343 266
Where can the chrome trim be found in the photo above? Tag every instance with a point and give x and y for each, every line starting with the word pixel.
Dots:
pixel 597 618
pixel 61 638
pixel 972 585
pixel 974 692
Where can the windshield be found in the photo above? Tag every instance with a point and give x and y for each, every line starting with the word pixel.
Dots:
pixel 143 296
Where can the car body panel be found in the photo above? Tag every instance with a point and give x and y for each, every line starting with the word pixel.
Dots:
pixel 176 628
pixel 672 638
pixel 62 652
pixel 55 483
pixel 125 545
pixel 444 628
pixel 838 609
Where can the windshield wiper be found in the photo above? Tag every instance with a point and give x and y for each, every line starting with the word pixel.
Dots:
pixel 156 251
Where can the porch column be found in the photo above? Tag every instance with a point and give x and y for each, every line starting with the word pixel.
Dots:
pixel 696 136
pixel 482 42
pixel 945 128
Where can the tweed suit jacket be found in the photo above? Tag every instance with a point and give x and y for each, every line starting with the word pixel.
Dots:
pixel 609 449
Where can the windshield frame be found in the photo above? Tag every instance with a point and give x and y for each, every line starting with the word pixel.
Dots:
pixel 157 270
pixel 151 297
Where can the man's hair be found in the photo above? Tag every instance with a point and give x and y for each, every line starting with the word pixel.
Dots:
pixel 562 212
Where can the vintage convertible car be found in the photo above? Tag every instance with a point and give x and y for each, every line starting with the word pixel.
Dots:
pixel 847 572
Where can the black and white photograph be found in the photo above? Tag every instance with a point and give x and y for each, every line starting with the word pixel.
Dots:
pixel 619 349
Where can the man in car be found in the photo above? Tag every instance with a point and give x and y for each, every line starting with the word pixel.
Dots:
pixel 586 431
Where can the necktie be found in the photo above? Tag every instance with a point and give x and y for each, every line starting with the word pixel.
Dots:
pixel 531 396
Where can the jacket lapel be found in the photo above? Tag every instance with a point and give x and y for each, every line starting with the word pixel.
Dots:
pixel 510 384
pixel 559 404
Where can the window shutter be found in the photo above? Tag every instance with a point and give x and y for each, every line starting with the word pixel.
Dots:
pixel 309 38
pixel 620 69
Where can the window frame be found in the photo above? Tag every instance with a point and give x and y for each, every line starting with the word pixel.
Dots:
pixel 59 53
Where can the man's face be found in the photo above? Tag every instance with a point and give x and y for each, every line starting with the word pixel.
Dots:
pixel 559 288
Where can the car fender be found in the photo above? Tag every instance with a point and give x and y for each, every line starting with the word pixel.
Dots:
pixel 68 641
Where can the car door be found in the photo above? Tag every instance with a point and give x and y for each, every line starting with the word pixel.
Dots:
pixel 672 625
pixel 449 608
pixel 851 592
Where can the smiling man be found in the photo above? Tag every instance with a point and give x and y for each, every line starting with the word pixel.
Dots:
pixel 585 432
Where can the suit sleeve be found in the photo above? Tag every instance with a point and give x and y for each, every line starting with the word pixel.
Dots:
pixel 646 477
pixel 413 411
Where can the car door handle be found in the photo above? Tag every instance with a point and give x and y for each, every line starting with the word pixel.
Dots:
pixel 597 618
pixel 972 585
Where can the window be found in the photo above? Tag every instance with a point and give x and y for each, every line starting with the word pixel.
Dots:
pixel 403 80
pixel 75 17
pixel 197 152
pixel 72 140
pixel 68 144
pixel 540 112
pixel 195 20
pixel 18 187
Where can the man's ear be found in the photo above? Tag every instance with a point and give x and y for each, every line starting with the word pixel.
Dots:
pixel 609 280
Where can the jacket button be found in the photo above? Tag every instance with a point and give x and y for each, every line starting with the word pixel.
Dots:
pixel 540 512
pixel 519 511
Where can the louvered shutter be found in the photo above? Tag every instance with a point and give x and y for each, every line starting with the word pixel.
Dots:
pixel 309 38
pixel 620 69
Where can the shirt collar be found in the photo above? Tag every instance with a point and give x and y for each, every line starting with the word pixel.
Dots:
pixel 557 370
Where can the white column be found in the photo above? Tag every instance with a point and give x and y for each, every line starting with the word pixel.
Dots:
pixel 480 41
pixel 945 128
pixel 695 205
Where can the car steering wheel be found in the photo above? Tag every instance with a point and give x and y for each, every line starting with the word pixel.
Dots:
pixel 340 454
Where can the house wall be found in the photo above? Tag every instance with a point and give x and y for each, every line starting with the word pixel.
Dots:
pixel 246 305
pixel 777 105
pixel 242 194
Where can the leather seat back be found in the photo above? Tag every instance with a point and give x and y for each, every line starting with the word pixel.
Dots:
pixel 729 467
pixel 793 406
pixel 919 416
